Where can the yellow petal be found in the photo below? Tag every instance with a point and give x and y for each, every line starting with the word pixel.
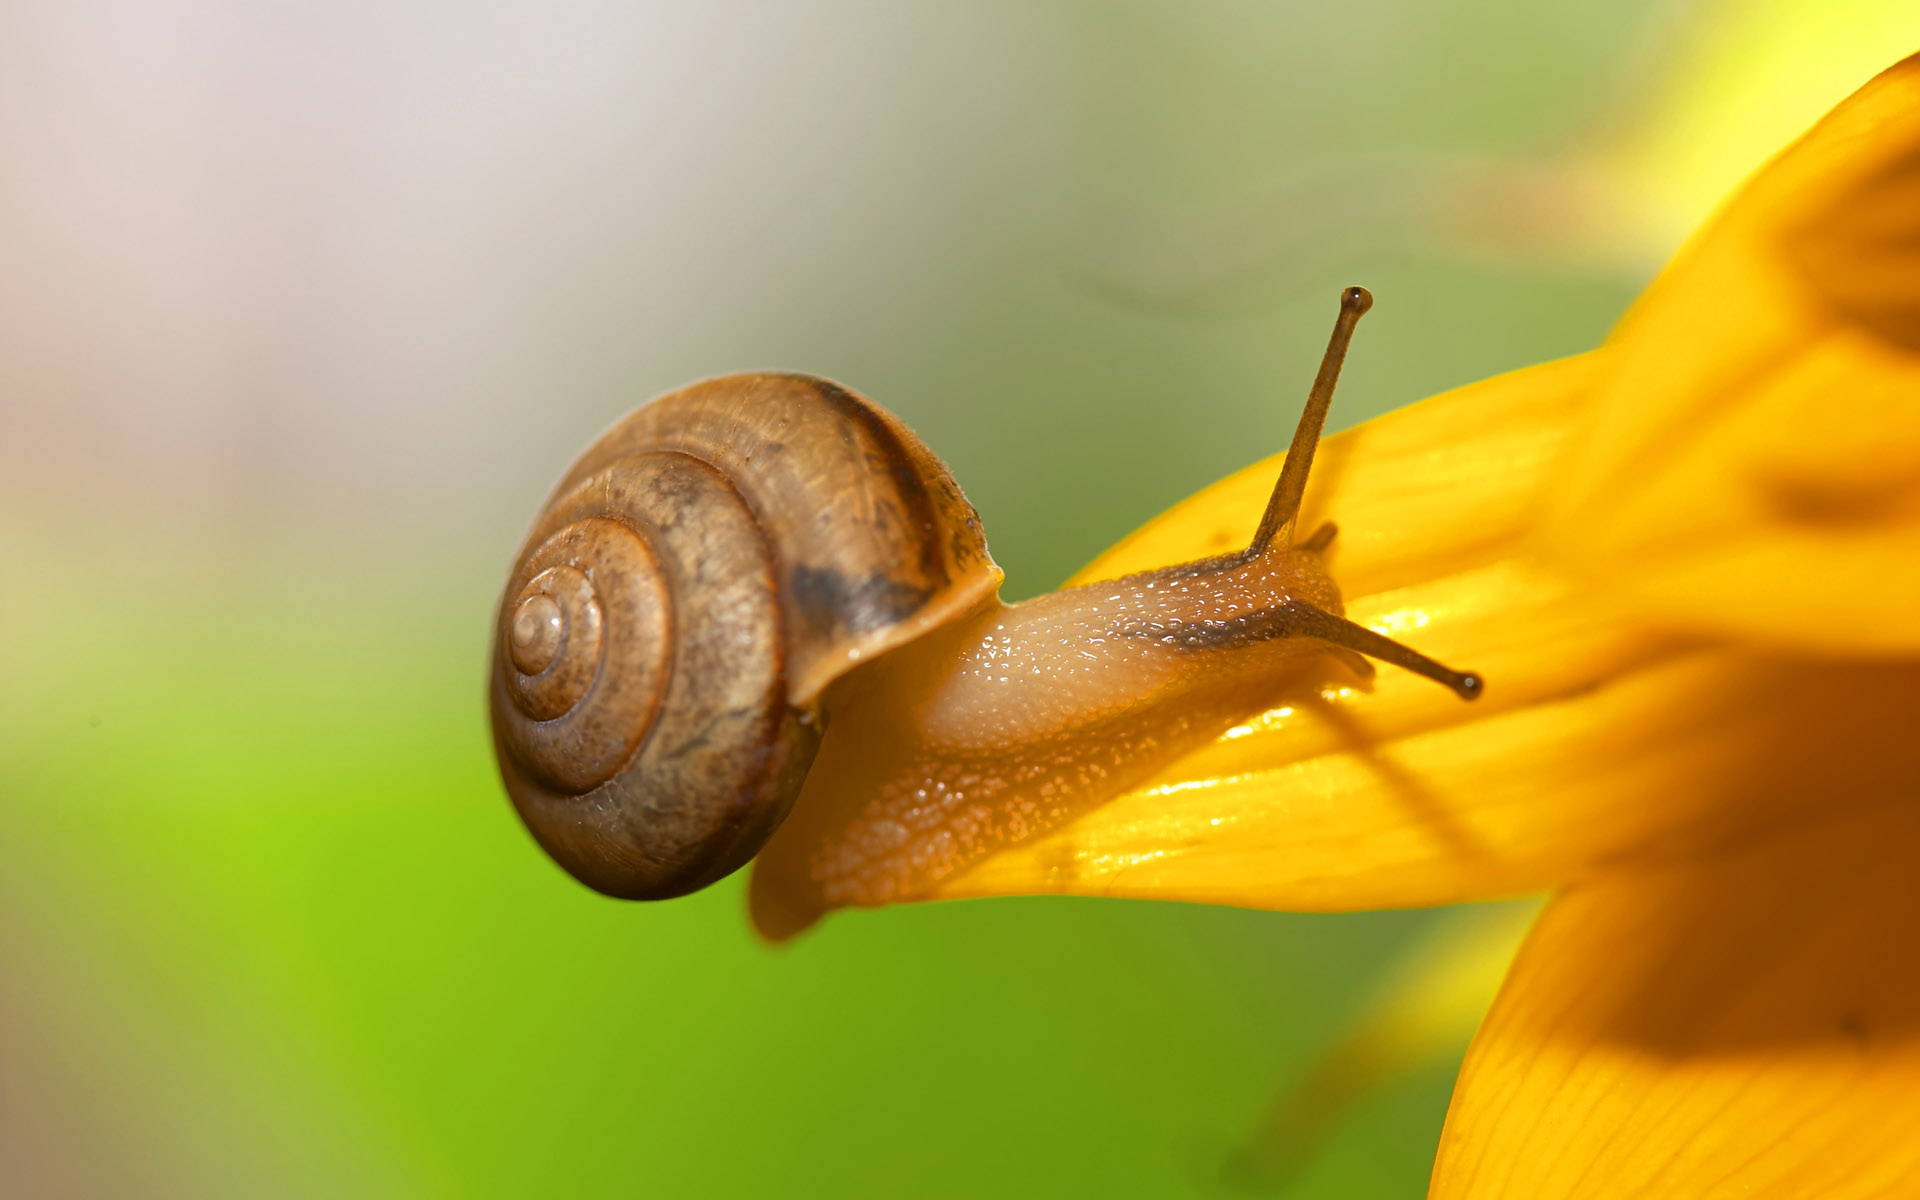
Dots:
pixel 1751 462
pixel 1333 809
pixel 1743 1026
pixel 1597 737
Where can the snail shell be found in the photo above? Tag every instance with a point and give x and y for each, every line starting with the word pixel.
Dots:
pixel 701 573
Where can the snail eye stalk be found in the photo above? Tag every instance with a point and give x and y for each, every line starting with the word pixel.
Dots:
pixel 1276 526
pixel 1275 535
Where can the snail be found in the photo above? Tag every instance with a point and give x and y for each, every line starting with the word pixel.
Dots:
pixel 762 594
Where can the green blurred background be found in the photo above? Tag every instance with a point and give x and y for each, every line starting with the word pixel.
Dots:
pixel 302 308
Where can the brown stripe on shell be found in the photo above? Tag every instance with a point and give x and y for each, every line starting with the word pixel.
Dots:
pixel 894 456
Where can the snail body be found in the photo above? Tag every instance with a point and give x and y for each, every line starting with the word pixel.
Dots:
pixel 1017 717
pixel 764 589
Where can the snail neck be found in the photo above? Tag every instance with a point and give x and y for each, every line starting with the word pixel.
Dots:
pixel 1042 669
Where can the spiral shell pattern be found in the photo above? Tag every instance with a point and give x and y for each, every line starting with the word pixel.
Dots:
pixel 711 564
